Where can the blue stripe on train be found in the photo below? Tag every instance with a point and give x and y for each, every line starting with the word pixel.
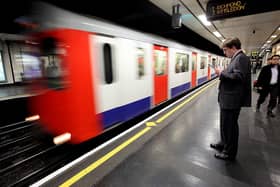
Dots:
pixel 180 89
pixel 201 80
pixel 126 112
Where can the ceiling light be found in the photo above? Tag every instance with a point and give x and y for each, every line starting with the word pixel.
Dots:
pixel 204 20
pixel 268 41
pixel 216 33
pixel 223 40
pixel 273 36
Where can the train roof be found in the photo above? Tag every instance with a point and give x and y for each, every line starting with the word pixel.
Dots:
pixel 54 17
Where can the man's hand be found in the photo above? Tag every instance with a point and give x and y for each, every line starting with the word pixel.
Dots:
pixel 217 71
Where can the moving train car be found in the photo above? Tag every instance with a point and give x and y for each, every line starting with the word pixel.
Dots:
pixel 97 74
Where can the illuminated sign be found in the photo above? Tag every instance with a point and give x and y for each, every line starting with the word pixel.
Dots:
pixel 220 9
pixel 254 53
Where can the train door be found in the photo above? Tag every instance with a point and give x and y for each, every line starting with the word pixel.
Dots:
pixel 194 69
pixel 108 82
pixel 160 74
pixel 209 68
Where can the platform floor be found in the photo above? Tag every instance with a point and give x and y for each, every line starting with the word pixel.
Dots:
pixel 179 155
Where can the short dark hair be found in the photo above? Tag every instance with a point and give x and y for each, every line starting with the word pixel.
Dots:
pixel 230 42
pixel 270 58
pixel 274 56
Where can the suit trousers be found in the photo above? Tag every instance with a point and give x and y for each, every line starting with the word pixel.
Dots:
pixel 273 91
pixel 229 130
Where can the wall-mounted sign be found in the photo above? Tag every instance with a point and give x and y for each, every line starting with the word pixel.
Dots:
pixel 254 54
pixel 220 9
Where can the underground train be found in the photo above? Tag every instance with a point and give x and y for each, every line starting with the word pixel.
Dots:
pixel 97 74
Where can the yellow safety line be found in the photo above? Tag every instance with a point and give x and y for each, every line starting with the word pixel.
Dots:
pixel 151 124
pixel 161 119
pixel 103 159
pixel 106 157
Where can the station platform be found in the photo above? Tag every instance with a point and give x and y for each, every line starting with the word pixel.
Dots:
pixel 172 149
pixel 14 91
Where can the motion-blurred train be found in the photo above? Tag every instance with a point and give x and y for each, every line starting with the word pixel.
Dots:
pixel 97 74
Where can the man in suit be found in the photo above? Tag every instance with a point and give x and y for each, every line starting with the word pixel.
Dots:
pixel 234 93
pixel 268 83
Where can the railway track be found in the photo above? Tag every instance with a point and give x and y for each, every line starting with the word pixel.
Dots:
pixel 24 153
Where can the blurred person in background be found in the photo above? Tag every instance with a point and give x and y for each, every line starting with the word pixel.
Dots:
pixel 268 83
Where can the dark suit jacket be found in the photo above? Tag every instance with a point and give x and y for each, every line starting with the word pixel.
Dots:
pixel 265 76
pixel 235 83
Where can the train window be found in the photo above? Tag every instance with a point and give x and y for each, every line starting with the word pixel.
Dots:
pixel 51 64
pixel 2 72
pixel 160 62
pixel 194 61
pixel 31 66
pixel 203 61
pixel 108 68
pixel 214 62
pixel 140 62
pixel 24 60
pixel 181 63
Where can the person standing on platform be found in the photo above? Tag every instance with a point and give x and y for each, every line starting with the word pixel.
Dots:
pixel 234 93
pixel 269 83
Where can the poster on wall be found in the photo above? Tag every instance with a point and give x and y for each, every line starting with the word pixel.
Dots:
pixel 2 72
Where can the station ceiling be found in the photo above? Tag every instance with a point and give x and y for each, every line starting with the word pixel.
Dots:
pixel 254 30
pixel 154 16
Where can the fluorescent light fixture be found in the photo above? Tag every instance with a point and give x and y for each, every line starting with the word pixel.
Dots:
pixel 216 33
pixel 204 20
pixel 223 40
pixel 268 41
pixel 273 36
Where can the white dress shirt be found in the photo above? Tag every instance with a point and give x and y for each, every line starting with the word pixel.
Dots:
pixel 274 75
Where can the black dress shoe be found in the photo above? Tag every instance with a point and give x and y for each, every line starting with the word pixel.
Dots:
pixel 224 156
pixel 218 147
